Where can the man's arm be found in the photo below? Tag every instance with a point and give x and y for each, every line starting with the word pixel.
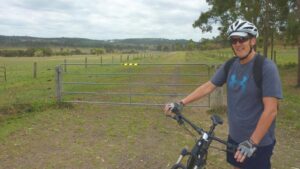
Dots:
pixel 266 119
pixel 200 92
pixel 264 123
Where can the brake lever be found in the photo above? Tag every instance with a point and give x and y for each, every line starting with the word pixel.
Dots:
pixel 231 148
pixel 178 118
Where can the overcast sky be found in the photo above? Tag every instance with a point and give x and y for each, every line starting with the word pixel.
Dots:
pixel 103 19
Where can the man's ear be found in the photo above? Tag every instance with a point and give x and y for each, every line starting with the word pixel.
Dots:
pixel 253 41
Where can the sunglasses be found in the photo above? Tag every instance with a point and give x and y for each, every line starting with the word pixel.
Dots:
pixel 240 40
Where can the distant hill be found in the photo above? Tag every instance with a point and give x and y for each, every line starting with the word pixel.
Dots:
pixel 33 42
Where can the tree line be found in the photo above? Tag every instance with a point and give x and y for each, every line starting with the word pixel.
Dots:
pixel 37 52
pixel 44 52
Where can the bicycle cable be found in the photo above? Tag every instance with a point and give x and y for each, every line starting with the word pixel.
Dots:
pixel 217 148
pixel 189 131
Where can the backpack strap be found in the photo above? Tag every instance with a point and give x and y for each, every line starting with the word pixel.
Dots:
pixel 228 65
pixel 258 70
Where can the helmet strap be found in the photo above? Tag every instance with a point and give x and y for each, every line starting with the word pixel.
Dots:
pixel 245 56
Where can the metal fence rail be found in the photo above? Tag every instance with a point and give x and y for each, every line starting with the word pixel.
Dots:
pixel 129 83
pixel 3 73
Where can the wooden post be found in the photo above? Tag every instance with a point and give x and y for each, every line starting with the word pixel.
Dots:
pixel 34 69
pixel 101 59
pixel 65 65
pixel 85 62
pixel 298 83
pixel 127 58
pixel 4 73
pixel 112 58
pixel 58 80
pixel 217 95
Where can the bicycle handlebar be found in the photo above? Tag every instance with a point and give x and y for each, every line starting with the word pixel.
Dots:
pixel 215 121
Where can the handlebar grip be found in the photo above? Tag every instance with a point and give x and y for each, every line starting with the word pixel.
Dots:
pixel 231 148
pixel 176 107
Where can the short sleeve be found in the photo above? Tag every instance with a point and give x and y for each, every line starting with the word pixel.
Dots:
pixel 271 84
pixel 219 78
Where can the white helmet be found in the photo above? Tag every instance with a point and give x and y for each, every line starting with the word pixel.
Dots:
pixel 242 28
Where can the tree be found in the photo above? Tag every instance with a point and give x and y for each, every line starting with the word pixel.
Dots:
pixel 191 45
pixel 47 51
pixel 178 47
pixel 76 52
pixel 296 27
pixel 39 53
pixel 293 30
pixel 159 47
pixel 257 12
pixel 280 17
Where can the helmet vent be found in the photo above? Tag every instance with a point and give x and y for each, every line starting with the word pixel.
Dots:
pixel 241 25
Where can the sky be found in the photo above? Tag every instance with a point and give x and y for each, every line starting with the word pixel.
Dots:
pixel 103 19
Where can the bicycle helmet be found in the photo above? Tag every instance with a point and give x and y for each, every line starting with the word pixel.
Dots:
pixel 242 28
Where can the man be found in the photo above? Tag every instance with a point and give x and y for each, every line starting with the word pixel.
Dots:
pixel 251 108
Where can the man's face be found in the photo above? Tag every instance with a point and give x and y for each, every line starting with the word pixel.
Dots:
pixel 242 45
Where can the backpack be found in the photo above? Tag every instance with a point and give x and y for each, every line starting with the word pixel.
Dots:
pixel 257 69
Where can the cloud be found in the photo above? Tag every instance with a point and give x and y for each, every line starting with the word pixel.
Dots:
pixel 103 19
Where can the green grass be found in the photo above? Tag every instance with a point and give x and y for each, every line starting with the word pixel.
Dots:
pixel 35 132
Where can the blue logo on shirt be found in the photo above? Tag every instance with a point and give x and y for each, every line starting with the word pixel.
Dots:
pixel 242 83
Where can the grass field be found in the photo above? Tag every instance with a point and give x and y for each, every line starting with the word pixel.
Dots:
pixel 35 132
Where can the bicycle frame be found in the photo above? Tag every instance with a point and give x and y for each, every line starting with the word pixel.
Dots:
pixel 198 155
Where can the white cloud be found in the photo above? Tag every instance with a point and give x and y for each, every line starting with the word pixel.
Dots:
pixel 103 19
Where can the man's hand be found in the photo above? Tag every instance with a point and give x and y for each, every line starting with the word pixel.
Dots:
pixel 245 149
pixel 171 108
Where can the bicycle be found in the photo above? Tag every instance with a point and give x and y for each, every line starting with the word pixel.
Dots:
pixel 198 155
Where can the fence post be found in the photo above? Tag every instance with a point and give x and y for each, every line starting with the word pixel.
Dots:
pixel 101 59
pixel 112 58
pixel 4 73
pixel 65 65
pixel 58 80
pixel 34 69
pixel 217 95
pixel 121 59
pixel 85 62
pixel 129 86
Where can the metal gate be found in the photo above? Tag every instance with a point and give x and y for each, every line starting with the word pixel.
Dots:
pixel 129 83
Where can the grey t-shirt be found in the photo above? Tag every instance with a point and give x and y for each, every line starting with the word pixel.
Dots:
pixel 244 98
